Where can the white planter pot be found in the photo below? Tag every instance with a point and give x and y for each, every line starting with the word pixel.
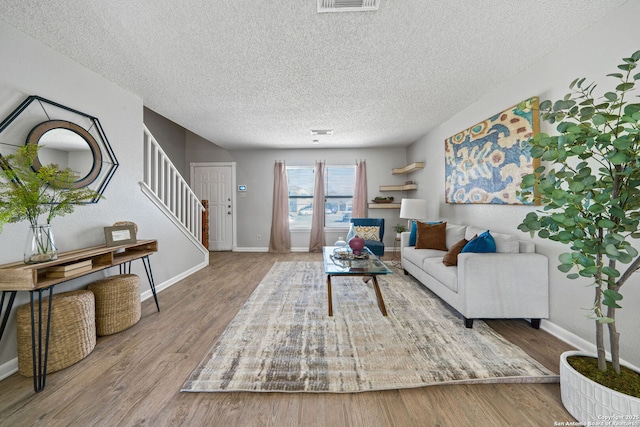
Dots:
pixel 589 401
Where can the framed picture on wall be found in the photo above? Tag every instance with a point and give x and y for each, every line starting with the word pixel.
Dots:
pixel 486 162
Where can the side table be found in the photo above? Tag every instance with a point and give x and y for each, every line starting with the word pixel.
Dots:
pixel 18 276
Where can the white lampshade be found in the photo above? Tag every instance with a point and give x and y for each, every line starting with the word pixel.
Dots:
pixel 413 209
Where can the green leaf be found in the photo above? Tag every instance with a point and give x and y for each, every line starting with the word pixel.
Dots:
pixel 623 87
pixel 606 223
pixel 598 119
pixel 611 272
pixel 565 267
pixel 565 258
pixel 619 158
pixel 528 181
pixel 622 143
pixel 618 75
pixel 612 250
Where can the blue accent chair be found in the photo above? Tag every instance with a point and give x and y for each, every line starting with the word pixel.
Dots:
pixel 376 247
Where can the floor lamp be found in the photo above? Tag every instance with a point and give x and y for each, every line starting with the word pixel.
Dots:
pixel 413 209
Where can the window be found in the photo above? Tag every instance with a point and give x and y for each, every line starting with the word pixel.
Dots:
pixel 338 191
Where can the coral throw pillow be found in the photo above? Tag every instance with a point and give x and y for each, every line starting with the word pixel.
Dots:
pixel 432 236
pixel 451 258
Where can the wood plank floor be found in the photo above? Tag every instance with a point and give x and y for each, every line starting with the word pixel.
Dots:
pixel 133 378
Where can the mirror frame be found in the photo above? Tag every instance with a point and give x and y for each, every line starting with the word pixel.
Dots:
pixel 28 123
pixel 38 131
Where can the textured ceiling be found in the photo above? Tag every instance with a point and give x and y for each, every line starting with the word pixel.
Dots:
pixel 262 74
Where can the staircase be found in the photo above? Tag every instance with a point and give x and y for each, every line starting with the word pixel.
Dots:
pixel 164 185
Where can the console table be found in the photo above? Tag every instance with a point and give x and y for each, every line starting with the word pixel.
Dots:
pixel 18 276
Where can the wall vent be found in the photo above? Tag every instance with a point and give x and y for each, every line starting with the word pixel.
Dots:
pixel 347 5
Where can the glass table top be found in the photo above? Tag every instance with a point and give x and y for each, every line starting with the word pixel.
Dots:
pixel 340 260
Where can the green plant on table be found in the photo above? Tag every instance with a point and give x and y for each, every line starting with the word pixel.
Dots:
pixel 590 191
pixel 27 194
pixel 399 228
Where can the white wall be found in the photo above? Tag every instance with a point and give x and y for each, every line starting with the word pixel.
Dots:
pixel 592 54
pixel 254 168
pixel 31 68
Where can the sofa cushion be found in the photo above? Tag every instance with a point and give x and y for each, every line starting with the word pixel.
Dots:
pixel 413 235
pixel 505 243
pixel 451 258
pixel 448 276
pixel 417 256
pixel 484 243
pixel 455 233
pixel 432 236
pixel 368 232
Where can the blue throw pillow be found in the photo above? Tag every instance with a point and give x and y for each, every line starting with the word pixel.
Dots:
pixel 414 231
pixel 484 243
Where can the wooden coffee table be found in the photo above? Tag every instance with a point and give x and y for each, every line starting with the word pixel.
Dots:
pixel 369 267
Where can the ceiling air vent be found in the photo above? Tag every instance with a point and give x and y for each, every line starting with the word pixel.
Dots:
pixel 347 5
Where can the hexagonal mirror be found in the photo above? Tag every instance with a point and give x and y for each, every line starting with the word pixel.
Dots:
pixel 66 137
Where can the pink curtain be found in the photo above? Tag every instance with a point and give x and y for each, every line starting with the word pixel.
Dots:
pixel 359 209
pixel 317 241
pixel 280 239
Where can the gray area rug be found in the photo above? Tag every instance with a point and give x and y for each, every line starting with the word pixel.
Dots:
pixel 282 340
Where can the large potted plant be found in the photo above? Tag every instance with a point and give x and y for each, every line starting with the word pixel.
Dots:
pixel 26 193
pixel 591 197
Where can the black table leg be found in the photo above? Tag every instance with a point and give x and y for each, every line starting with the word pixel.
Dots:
pixel 38 353
pixel 125 268
pixel 6 309
pixel 147 268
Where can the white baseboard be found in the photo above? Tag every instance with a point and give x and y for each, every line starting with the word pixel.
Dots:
pixel 11 367
pixel 574 340
pixel 8 368
pixel 164 285
pixel 263 249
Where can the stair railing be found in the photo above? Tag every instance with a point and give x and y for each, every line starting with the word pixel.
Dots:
pixel 167 188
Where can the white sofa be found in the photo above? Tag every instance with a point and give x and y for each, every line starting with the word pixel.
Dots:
pixel 511 283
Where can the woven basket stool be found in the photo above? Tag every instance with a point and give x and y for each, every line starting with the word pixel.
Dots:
pixel 117 303
pixel 73 330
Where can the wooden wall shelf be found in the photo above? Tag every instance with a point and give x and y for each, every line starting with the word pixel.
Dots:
pixel 408 169
pixel 405 187
pixel 384 205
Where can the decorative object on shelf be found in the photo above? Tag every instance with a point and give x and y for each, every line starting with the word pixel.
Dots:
pixel 345 253
pixel 486 163
pixel 70 269
pixel 340 242
pixel 590 193
pixel 67 137
pixel 409 182
pixel 413 209
pixel 28 194
pixel 119 223
pixel 383 199
pixel 40 246
pixel 120 235
pixel 356 244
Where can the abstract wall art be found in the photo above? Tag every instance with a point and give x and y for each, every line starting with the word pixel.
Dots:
pixel 486 162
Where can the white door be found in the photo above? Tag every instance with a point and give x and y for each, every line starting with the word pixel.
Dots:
pixel 215 184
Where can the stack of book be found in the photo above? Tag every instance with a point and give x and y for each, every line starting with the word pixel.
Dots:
pixel 67 270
